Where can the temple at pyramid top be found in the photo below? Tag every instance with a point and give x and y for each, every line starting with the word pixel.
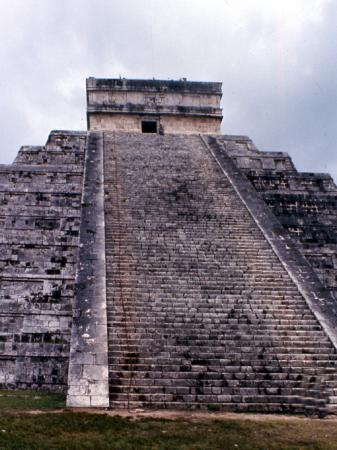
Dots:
pixel 154 106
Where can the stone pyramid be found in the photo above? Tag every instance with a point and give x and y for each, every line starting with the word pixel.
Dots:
pixel 153 262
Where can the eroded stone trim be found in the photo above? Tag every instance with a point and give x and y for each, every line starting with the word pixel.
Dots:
pixel 88 365
pixel 319 300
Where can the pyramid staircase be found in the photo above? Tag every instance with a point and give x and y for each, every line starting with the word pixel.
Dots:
pixel 201 311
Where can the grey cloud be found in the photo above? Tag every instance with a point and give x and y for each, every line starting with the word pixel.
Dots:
pixel 282 93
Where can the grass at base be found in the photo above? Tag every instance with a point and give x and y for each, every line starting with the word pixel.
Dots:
pixel 25 400
pixel 77 431
pixel 68 430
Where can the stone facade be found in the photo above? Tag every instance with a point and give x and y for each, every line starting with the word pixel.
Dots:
pixel 169 124
pixel 175 106
pixel 167 269
pixel 40 204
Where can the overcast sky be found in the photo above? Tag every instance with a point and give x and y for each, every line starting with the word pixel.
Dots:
pixel 277 61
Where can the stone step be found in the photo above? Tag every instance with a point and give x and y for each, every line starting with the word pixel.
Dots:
pixel 264 323
pixel 125 390
pixel 228 316
pixel 270 365
pixel 295 407
pixel 261 329
pixel 223 399
pixel 246 388
pixel 218 379
pixel 214 336
pixel 256 344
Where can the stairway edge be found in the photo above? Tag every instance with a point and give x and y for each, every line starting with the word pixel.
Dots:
pixel 318 298
pixel 88 378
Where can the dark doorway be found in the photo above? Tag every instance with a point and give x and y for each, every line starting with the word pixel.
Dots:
pixel 149 126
